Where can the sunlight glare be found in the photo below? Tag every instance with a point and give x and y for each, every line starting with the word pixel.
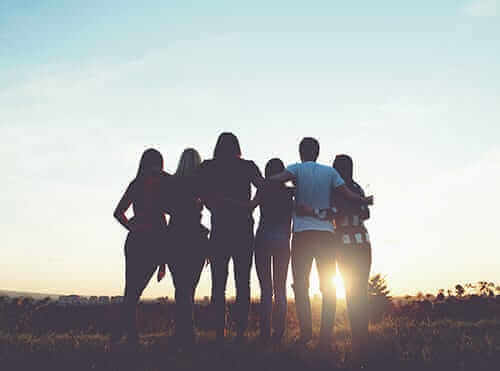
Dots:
pixel 336 280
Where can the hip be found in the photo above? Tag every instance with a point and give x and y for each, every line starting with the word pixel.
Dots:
pixel 353 236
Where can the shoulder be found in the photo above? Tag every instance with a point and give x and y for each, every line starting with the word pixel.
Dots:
pixel 206 167
pixel 132 186
pixel 206 163
pixel 358 189
pixel 293 168
pixel 250 166
pixel 247 163
pixel 334 176
pixel 327 171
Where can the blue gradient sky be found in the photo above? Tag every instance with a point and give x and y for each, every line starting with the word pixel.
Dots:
pixel 411 91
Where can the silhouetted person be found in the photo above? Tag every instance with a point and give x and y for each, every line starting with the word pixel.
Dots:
pixel 272 250
pixel 228 177
pixel 355 254
pixel 146 233
pixel 187 240
pixel 313 238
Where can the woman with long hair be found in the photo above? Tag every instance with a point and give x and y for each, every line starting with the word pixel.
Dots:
pixel 355 254
pixel 146 232
pixel 227 180
pixel 272 250
pixel 187 241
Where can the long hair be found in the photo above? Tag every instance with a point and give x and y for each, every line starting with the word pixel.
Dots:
pixel 151 160
pixel 188 163
pixel 227 146
pixel 343 164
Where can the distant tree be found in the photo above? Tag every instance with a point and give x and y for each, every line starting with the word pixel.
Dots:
pixel 459 290
pixel 420 295
pixel 497 289
pixel 470 286
pixel 429 296
pixel 377 286
pixel 484 288
pixel 380 300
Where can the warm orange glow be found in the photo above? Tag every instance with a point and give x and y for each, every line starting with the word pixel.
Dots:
pixel 336 280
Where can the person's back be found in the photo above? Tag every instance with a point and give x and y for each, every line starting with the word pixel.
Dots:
pixel 145 235
pixel 314 183
pixel 272 250
pixel 186 213
pixel 312 237
pixel 276 207
pixel 226 182
pixel 229 179
pixel 355 254
pixel 145 193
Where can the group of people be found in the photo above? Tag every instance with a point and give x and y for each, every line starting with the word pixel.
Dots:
pixel 323 207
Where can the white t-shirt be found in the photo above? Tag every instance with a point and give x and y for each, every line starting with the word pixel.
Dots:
pixel 314 184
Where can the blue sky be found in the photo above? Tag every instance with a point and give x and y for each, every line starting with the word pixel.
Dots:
pixel 411 91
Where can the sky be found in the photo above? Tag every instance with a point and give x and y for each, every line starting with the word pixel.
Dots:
pixel 409 89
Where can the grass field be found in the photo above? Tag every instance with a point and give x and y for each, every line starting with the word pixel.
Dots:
pixel 398 343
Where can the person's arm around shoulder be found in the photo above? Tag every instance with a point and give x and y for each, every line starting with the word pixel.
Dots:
pixel 256 200
pixel 339 185
pixel 289 174
pixel 205 188
pixel 167 195
pixel 255 175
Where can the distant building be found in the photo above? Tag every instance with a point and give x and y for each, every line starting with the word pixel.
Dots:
pixel 161 300
pixel 103 300
pixel 116 299
pixel 69 300
pixel 93 300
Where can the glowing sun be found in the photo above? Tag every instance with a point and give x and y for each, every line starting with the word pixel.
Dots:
pixel 336 281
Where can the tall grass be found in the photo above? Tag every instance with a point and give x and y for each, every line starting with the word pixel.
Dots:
pixel 54 338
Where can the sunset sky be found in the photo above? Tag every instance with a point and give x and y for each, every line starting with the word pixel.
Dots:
pixel 411 90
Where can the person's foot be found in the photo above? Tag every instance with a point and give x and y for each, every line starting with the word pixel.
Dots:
pixel 359 361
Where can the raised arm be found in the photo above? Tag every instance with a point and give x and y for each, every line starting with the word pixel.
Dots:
pixel 122 207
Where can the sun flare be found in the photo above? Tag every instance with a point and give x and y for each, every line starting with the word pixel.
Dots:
pixel 336 280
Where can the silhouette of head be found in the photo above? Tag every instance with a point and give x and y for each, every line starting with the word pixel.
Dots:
pixel 343 164
pixel 227 146
pixel 274 166
pixel 151 161
pixel 188 163
pixel 309 149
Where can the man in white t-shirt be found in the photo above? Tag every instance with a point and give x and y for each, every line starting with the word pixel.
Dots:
pixel 313 237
